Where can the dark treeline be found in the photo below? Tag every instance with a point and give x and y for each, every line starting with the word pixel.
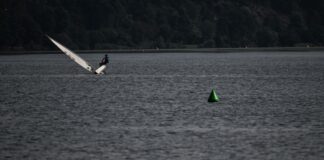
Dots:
pixel 134 24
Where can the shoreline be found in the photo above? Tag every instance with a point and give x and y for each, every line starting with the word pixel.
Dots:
pixel 197 50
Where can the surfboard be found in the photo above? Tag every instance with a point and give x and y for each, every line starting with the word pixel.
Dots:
pixel 76 58
pixel 101 69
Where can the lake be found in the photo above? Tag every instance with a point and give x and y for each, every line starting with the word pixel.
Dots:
pixel 154 106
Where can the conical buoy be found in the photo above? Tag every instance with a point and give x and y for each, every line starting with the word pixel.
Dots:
pixel 213 97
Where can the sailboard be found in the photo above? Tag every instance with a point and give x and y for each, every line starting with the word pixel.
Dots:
pixel 76 58
pixel 101 69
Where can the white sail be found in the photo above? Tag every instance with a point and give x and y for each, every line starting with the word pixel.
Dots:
pixel 72 55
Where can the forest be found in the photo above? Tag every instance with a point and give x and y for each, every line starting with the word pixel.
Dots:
pixel 151 24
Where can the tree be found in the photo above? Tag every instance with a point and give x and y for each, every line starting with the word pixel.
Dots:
pixel 267 38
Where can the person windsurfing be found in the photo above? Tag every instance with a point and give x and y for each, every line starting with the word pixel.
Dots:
pixel 104 60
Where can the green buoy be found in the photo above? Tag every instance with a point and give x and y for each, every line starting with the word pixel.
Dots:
pixel 213 97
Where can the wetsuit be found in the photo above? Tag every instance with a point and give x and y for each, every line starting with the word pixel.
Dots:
pixel 104 61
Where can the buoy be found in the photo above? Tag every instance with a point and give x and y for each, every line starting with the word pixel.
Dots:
pixel 213 97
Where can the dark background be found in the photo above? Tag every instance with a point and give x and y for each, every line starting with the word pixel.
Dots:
pixel 135 24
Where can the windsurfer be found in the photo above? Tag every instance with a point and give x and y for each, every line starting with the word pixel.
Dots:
pixel 104 60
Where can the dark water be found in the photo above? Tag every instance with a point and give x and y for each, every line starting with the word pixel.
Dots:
pixel 154 106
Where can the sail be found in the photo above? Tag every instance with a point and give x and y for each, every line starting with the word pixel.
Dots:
pixel 72 55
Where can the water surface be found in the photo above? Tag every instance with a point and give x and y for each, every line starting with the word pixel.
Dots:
pixel 154 106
